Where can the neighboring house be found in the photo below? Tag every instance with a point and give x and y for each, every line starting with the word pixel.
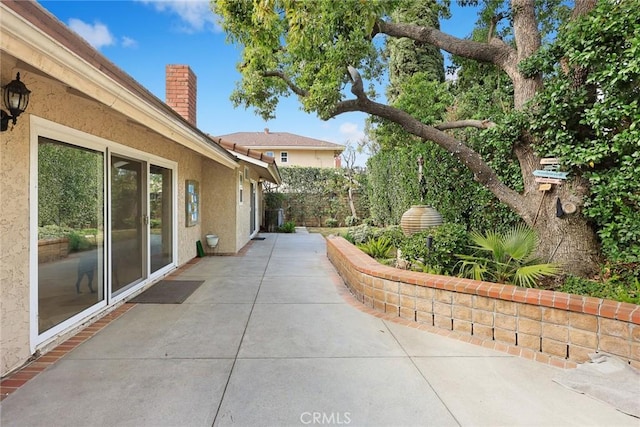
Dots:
pixel 289 149
pixel 136 183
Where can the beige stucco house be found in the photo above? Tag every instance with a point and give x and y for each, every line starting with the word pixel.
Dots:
pixel 289 149
pixel 104 188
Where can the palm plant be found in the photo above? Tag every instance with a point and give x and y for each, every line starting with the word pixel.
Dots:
pixel 380 248
pixel 506 258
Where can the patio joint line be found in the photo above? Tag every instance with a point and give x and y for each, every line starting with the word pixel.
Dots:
pixel 413 362
pixel 235 358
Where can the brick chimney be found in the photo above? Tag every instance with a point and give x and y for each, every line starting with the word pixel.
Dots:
pixel 181 91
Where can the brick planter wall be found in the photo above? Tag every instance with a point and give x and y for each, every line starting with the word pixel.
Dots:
pixel 552 327
pixel 52 250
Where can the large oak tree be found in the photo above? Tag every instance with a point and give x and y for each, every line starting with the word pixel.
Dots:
pixel 321 50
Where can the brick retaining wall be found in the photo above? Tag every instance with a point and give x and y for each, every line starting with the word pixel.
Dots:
pixel 544 325
pixel 52 250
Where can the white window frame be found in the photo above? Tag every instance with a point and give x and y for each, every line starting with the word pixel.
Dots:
pixel 48 129
pixel 284 157
pixel 241 188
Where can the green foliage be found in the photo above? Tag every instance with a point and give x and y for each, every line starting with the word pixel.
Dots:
pixel 351 221
pixel 310 42
pixel 478 93
pixel 331 222
pixel 287 227
pixel 380 248
pixel 619 282
pixel 392 232
pixel 450 189
pixel 310 195
pixel 273 200
pixel 360 234
pixel 70 186
pixel 595 127
pixel 53 231
pixel 79 242
pixel 506 258
pixel 447 240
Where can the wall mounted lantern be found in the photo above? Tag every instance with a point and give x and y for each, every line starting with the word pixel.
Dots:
pixel 15 99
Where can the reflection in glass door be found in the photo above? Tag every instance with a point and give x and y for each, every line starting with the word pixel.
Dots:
pixel 70 231
pixel 127 222
pixel 160 217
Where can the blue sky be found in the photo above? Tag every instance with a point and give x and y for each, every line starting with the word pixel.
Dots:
pixel 142 36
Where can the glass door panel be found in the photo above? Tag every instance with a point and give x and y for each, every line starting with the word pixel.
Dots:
pixel 252 225
pixel 70 231
pixel 160 216
pixel 127 223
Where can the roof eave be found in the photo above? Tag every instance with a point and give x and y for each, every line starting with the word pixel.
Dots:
pixel 23 37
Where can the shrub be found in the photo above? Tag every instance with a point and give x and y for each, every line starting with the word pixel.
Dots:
pixel 53 232
pixel 369 221
pixel 393 232
pixel 618 282
pixel 447 240
pixel 287 227
pixel 78 242
pixel 360 234
pixel 331 222
pixel 351 221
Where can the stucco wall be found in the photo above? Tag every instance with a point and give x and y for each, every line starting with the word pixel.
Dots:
pixel 14 246
pixel 218 206
pixel 306 158
pixel 50 100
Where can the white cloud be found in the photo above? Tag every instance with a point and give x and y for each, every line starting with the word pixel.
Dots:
pixel 128 42
pixel 98 35
pixel 351 132
pixel 196 15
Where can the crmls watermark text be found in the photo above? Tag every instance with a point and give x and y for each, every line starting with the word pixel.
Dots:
pixel 324 418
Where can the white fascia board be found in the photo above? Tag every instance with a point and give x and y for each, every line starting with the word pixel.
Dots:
pixel 251 160
pixel 291 148
pixel 261 164
pixel 28 44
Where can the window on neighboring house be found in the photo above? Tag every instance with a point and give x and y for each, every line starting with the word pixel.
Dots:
pixel 284 157
pixel 269 153
pixel 241 187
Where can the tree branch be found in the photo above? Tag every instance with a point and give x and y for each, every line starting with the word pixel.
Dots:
pixel 471 159
pixel 479 124
pixel 279 74
pixel 495 51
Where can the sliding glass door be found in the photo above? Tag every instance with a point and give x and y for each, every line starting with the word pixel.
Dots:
pixel 70 231
pixel 128 222
pixel 104 225
pixel 160 216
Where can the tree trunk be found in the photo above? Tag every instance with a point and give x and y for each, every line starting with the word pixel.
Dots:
pixel 568 239
pixel 352 206
pixel 565 238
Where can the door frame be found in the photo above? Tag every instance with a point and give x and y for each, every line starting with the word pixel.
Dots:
pixel 46 128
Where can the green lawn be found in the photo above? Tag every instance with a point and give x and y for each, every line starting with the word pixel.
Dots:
pixel 325 231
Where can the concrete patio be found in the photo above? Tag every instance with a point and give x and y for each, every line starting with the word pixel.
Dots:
pixel 272 338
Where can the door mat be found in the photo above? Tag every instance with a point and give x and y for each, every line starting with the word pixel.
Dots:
pixel 258 238
pixel 168 292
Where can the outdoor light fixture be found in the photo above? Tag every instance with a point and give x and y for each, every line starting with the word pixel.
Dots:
pixel 16 99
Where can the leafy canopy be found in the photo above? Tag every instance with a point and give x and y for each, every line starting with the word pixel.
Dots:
pixel 309 42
